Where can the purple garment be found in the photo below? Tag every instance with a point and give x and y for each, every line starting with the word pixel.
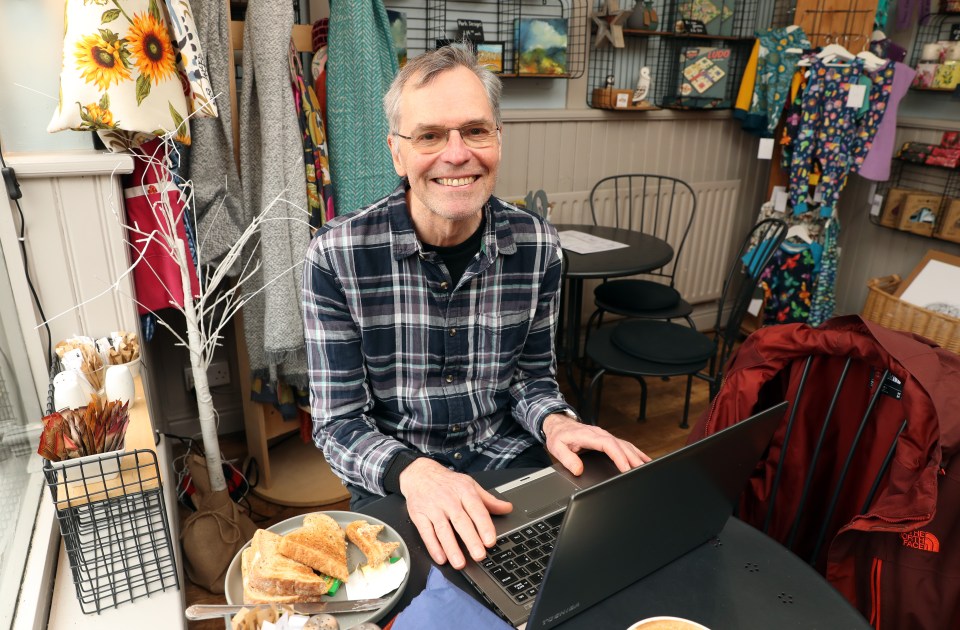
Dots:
pixel 876 165
pixel 888 49
pixel 906 9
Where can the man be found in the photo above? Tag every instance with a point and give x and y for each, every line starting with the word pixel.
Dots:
pixel 431 317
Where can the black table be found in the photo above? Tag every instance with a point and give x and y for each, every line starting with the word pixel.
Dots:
pixel 742 579
pixel 644 253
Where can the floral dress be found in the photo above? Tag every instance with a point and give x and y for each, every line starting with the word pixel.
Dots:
pixel 832 133
pixel 789 282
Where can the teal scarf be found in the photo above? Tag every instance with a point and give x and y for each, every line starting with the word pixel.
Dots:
pixel 361 65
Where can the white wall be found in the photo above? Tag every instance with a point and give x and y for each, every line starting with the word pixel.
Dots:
pixel 31 45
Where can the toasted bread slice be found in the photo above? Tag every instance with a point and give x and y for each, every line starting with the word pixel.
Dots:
pixel 320 544
pixel 256 596
pixel 364 535
pixel 269 577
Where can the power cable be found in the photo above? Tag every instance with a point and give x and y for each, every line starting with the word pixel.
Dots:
pixel 14 193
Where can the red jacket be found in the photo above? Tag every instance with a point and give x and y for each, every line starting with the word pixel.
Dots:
pixel 767 368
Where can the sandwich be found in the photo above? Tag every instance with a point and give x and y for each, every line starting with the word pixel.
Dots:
pixel 320 544
pixel 364 535
pixel 271 578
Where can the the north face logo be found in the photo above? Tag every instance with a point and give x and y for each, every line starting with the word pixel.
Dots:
pixel 924 541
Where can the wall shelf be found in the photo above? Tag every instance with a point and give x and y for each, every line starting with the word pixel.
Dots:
pixel 940 181
pixel 434 21
pixel 669 53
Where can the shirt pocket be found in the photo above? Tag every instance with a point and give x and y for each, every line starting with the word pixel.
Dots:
pixel 499 342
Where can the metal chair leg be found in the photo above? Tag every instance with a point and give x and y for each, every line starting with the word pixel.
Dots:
pixel 594 416
pixel 643 400
pixel 686 403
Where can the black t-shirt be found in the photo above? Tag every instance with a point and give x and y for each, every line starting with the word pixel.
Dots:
pixel 458 257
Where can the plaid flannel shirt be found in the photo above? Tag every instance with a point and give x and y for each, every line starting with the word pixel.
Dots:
pixel 400 359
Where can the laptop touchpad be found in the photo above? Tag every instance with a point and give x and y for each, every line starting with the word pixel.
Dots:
pixel 538 493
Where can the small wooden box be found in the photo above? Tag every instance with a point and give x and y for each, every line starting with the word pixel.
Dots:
pixel 949 229
pixel 918 213
pixel 610 98
pixel 892 206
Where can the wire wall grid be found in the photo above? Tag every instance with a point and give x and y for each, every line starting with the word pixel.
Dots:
pixel 845 22
pixel 940 181
pixel 434 23
pixel 933 28
pixel 687 70
pixel 114 525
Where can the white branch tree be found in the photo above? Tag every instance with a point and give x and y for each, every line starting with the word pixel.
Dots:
pixel 218 299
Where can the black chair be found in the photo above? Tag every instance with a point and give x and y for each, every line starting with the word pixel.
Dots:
pixel 658 205
pixel 816 511
pixel 660 348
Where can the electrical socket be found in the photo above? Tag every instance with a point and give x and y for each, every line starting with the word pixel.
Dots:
pixel 218 373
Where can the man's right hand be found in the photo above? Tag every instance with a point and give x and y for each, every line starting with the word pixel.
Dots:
pixel 444 504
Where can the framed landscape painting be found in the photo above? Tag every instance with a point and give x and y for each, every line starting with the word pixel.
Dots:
pixel 398 30
pixel 541 45
pixel 490 56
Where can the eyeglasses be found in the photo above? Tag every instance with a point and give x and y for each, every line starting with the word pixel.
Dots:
pixel 433 139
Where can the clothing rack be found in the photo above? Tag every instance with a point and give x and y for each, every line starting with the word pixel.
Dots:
pixel 281 480
pixel 844 22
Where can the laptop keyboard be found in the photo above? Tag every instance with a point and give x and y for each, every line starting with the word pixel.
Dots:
pixel 518 560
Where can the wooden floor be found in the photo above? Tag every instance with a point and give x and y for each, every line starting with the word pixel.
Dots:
pixel 658 435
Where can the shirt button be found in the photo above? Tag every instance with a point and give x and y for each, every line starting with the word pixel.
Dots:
pixel 453 332
pixel 457 456
pixel 449 378
pixel 444 285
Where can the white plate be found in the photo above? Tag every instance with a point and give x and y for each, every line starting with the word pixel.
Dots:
pixel 233 582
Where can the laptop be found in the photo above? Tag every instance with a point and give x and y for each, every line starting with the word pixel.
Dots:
pixel 571 542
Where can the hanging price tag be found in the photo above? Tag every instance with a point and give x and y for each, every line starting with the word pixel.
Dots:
pixel 779 198
pixel 766 149
pixel 858 92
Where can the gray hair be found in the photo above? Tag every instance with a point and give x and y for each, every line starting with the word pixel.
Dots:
pixel 421 70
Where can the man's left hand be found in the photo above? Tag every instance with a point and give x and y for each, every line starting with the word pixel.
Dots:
pixel 567 437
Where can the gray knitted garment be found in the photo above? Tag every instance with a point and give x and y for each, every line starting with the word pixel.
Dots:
pixel 211 166
pixel 271 165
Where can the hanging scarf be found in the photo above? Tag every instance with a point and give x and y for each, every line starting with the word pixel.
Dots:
pixel 361 66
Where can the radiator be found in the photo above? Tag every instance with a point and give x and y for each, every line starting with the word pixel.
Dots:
pixel 706 255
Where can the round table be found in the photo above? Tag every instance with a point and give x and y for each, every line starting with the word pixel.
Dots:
pixel 741 579
pixel 643 253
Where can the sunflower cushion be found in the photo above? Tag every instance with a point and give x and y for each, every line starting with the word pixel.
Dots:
pixel 119 71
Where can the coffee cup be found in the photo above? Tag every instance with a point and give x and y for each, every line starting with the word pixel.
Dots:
pixel 667 623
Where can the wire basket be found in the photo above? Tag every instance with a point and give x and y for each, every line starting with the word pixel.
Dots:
pixel 113 520
pixel 888 310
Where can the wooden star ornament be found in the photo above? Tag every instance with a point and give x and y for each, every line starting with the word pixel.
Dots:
pixel 609 20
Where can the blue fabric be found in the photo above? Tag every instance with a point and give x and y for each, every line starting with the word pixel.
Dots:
pixel 442 606
pixel 757 255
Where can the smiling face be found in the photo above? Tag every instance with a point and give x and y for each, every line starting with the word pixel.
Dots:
pixel 447 188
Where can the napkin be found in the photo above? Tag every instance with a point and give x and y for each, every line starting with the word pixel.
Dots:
pixel 440 602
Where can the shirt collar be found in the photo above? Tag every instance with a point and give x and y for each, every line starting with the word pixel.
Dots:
pixel 497 238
